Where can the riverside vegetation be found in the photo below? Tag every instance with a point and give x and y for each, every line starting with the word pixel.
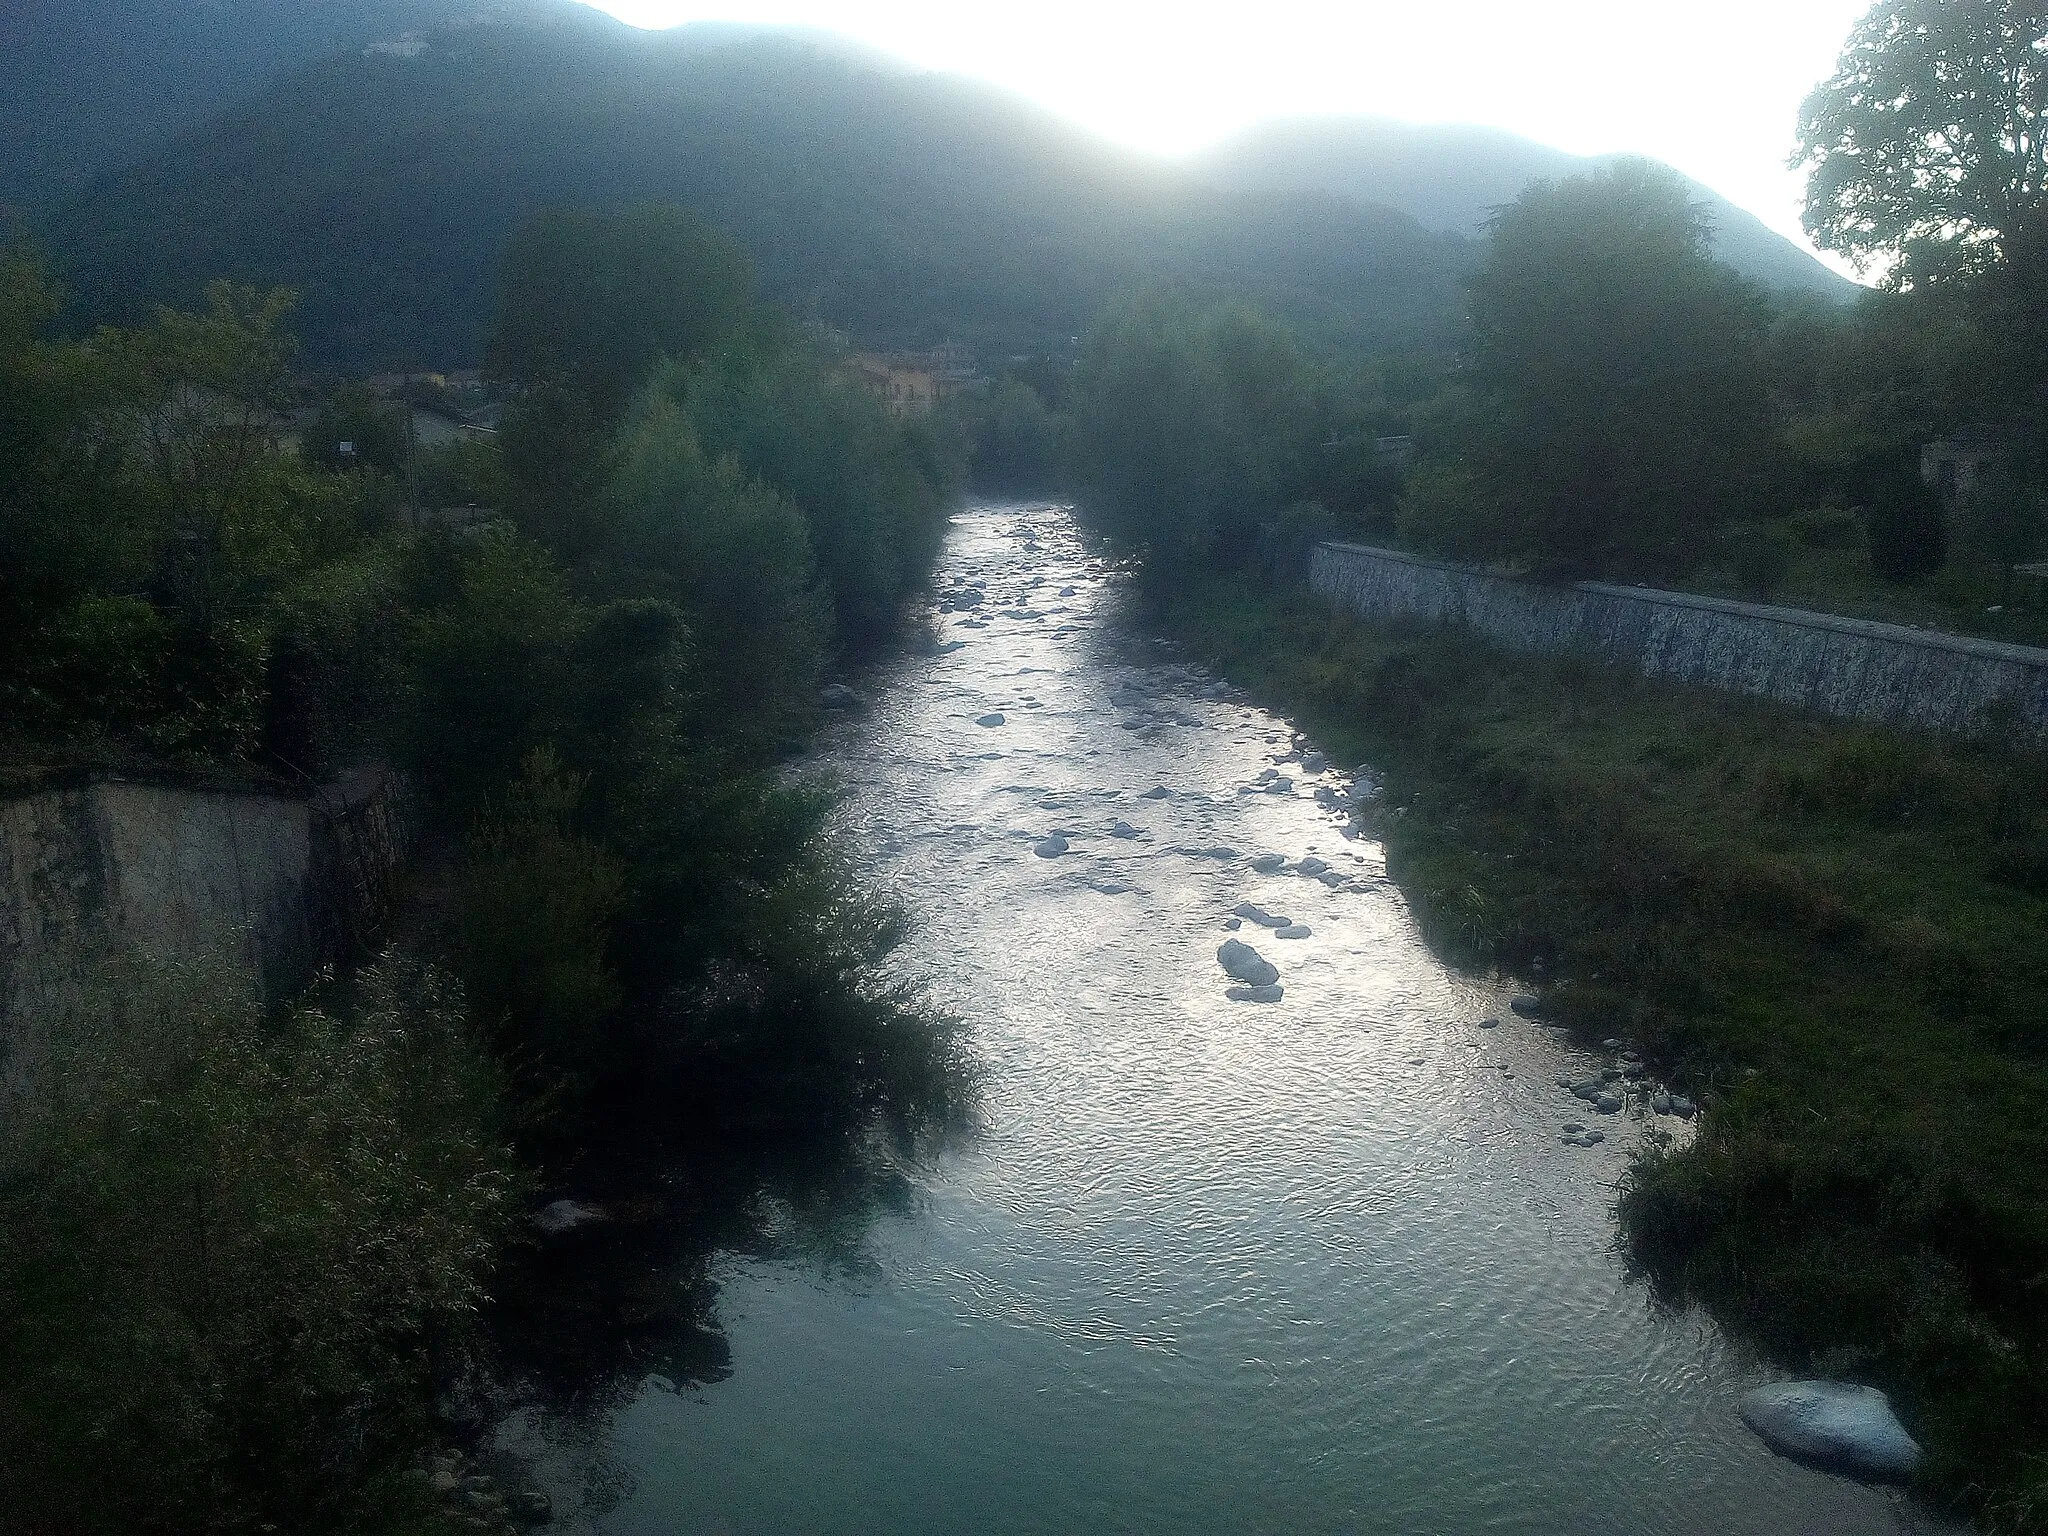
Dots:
pixel 1830 935
pixel 242 1251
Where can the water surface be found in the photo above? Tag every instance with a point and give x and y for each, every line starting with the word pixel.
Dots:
pixel 1319 1265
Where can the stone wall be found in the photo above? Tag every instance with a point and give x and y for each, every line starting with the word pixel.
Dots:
pixel 271 885
pixel 1850 668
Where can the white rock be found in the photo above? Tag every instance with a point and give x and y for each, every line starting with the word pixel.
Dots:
pixel 1833 1424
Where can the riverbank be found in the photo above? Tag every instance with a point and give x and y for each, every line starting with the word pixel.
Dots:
pixel 1830 935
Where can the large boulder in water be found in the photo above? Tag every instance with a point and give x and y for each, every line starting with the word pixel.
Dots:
pixel 1243 963
pixel 1834 1425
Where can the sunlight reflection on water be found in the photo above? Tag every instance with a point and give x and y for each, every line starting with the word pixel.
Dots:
pixel 1320 1265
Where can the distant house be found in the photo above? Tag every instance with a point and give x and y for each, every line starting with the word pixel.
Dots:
pixel 1954 464
pixel 907 386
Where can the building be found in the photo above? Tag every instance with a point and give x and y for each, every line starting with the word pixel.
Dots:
pixel 908 386
pixel 1953 465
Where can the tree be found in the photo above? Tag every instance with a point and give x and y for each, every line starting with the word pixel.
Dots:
pixel 1927 143
pixel 587 303
pixel 1190 426
pixel 1908 527
pixel 1625 418
pixel 203 391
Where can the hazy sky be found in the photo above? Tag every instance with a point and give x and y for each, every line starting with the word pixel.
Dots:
pixel 1712 89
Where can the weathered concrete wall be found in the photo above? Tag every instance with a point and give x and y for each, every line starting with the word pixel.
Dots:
pixel 272 885
pixel 1850 668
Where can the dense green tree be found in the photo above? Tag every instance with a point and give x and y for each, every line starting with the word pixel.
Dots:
pixel 1188 425
pixel 1624 415
pixel 60 510
pixel 873 488
pixel 1013 439
pixel 1928 163
pixel 1907 526
pixel 1928 146
pixel 202 392
pixel 587 303
pixel 734 556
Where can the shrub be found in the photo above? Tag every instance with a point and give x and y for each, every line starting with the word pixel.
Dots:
pixel 1827 528
pixel 1908 530
pixel 225 1247
pixel 735 558
pixel 1763 558
pixel 538 903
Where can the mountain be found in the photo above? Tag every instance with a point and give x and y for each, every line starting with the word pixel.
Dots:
pixel 86 85
pixel 901 206
pixel 1452 178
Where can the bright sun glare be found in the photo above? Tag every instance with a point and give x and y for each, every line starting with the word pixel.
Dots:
pixel 1712 90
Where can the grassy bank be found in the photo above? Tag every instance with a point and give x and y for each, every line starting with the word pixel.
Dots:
pixel 1832 935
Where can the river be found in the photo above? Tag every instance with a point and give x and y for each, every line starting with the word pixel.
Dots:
pixel 1319 1265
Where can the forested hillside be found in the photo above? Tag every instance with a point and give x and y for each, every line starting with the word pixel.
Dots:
pixel 87 85
pixel 1452 177
pixel 901 207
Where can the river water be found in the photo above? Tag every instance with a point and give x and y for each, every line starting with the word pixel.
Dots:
pixel 1209 1266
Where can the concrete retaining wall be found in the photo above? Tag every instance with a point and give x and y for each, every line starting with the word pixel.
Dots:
pixel 272 885
pixel 1850 668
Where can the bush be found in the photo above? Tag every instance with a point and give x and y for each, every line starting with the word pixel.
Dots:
pixel 873 490
pixel 489 663
pixel 1013 440
pixel 226 1247
pixel 1827 528
pixel 735 557
pixel 1908 530
pixel 538 903
pixel 1763 559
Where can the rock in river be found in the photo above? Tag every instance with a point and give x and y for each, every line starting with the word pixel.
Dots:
pixel 1051 847
pixel 1243 963
pixel 992 718
pixel 1270 863
pixel 1123 829
pixel 1835 1425
pixel 1159 792
pixel 1528 1007
pixel 1293 931
pixel 1260 915
pixel 838 696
